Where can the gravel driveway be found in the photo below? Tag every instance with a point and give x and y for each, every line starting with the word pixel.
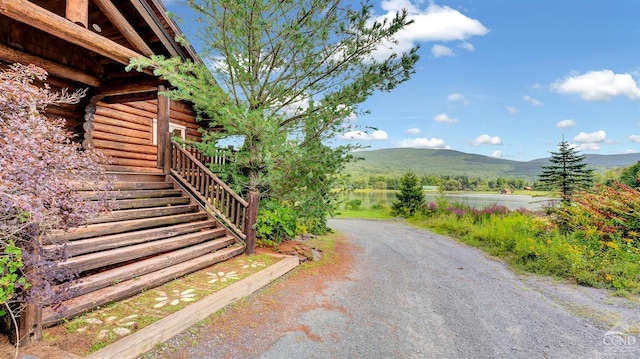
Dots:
pixel 410 293
pixel 414 294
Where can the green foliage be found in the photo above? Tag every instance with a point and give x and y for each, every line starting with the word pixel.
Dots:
pixel 276 222
pixel 630 176
pixel 286 77
pixel 353 205
pixel 411 197
pixel 10 272
pixel 601 251
pixel 567 172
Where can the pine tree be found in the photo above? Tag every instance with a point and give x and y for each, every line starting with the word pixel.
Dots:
pixel 410 198
pixel 567 172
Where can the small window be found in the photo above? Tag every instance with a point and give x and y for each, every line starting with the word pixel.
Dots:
pixel 175 130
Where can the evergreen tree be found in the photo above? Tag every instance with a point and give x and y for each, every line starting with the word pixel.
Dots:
pixel 567 172
pixel 286 77
pixel 410 198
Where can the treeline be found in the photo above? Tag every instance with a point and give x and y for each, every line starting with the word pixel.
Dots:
pixel 444 182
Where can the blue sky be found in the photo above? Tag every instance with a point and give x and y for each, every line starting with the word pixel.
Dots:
pixel 510 78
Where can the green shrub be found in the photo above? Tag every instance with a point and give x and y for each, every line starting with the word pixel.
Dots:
pixel 353 205
pixel 276 222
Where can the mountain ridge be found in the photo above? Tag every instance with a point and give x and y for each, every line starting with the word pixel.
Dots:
pixel 454 163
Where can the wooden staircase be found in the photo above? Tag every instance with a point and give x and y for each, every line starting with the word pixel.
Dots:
pixel 159 233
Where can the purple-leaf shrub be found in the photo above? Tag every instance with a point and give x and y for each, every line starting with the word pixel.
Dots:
pixel 39 166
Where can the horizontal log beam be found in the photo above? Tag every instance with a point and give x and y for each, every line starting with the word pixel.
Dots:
pixel 40 18
pixel 55 69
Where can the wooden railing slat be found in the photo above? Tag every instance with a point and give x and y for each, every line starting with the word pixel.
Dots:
pixel 186 164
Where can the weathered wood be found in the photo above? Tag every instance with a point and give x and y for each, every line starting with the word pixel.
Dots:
pixel 128 108
pixel 126 289
pixel 176 117
pixel 153 193
pixel 150 149
pixel 252 215
pixel 134 163
pixel 123 254
pixel 102 229
pixel 126 239
pixel 128 154
pixel 117 112
pixel 100 127
pixel 129 271
pixel 132 169
pixel 160 33
pixel 15 36
pixel 120 138
pixel 146 338
pixel 78 12
pixel 123 26
pixel 30 324
pixel 142 213
pixel 55 69
pixel 126 86
pixel 163 113
pixel 40 18
pixel 122 124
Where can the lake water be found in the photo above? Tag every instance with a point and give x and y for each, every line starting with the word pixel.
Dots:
pixel 476 200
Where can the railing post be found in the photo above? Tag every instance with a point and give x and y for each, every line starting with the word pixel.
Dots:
pixel 30 324
pixel 164 138
pixel 250 221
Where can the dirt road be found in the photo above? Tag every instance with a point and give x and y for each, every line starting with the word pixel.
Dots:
pixel 412 294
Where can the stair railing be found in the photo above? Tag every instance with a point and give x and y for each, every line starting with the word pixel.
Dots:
pixel 216 195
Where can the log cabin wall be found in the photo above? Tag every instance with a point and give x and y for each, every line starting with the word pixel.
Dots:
pixel 125 132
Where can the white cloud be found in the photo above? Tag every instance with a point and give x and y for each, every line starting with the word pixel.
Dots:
pixel 433 143
pixel 413 131
pixel 511 109
pixel 441 50
pixel 593 137
pixel 532 100
pixel 457 97
pixel 536 86
pixel 497 154
pixel 435 23
pixel 630 151
pixel 467 46
pixel 487 140
pixel 635 138
pixel 358 135
pixel 588 147
pixel 566 123
pixel 598 85
pixel 444 118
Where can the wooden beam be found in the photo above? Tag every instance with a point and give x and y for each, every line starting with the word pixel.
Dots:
pixel 153 23
pixel 12 55
pixel 78 12
pixel 16 34
pixel 250 221
pixel 163 129
pixel 123 26
pixel 40 18
pixel 129 86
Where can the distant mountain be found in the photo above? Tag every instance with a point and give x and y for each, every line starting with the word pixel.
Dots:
pixel 449 162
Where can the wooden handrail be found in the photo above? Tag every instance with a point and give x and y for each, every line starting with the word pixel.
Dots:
pixel 216 195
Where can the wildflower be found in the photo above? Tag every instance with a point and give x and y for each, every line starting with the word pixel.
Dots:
pixel 608 277
pixel 612 245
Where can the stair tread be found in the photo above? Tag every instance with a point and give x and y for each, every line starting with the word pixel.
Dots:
pixel 151 202
pixel 103 279
pixel 99 229
pixel 138 213
pixel 131 287
pixel 122 254
pixel 99 243
pixel 130 194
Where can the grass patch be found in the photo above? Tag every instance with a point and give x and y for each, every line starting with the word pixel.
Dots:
pixel 365 214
